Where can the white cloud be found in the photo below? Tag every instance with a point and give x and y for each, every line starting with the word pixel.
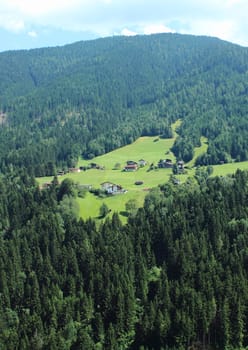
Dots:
pixel 157 28
pixel 127 32
pixel 222 18
pixel 38 8
pixel 32 34
pixel 11 23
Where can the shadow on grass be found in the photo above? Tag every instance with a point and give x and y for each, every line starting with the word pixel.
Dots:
pixel 124 213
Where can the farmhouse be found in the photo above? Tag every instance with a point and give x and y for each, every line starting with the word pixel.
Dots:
pixel 165 163
pixel 74 170
pixel 131 167
pixel 111 188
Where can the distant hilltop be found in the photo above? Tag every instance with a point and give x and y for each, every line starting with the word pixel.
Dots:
pixel 91 97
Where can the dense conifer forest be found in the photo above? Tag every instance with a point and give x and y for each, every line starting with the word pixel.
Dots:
pixel 175 276
pixel 88 98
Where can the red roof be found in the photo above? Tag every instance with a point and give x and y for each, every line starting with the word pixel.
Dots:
pixel 131 166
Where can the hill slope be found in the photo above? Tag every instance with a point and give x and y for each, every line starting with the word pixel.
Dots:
pixel 91 97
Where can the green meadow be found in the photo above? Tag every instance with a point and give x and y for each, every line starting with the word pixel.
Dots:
pixel 229 168
pixel 151 149
pixel 199 151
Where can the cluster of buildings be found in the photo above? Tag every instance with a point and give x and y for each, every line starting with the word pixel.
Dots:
pixel 81 168
pixel 163 163
pixel 167 163
pixel 111 188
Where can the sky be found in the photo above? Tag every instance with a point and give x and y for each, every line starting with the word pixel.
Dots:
pixel 26 24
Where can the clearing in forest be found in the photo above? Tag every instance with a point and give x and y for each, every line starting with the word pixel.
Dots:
pixel 136 183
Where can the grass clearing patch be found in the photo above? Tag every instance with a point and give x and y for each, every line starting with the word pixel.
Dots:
pixel 229 168
pixel 143 148
pixel 199 151
pixel 151 149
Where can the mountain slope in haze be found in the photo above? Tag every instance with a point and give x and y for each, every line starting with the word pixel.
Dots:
pixel 91 97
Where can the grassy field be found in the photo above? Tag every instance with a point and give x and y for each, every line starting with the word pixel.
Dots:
pixel 89 206
pixel 144 148
pixel 199 150
pixel 151 149
pixel 229 168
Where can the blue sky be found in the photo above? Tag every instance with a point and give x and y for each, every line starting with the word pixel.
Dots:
pixel 26 24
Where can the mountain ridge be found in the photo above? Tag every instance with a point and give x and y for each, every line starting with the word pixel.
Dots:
pixel 107 92
pixel 34 56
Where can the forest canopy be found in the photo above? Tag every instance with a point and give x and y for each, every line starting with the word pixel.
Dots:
pixel 174 276
pixel 88 98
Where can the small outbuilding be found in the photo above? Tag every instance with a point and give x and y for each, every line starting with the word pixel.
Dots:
pixel 112 188
pixel 142 162
pixel 131 167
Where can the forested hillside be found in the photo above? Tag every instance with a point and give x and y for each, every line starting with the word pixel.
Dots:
pixel 88 98
pixel 174 277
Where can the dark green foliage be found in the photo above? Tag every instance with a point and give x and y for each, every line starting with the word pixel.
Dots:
pixel 104 210
pixel 91 97
pixel 174 277
pixel 131 206
pixel 67 188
